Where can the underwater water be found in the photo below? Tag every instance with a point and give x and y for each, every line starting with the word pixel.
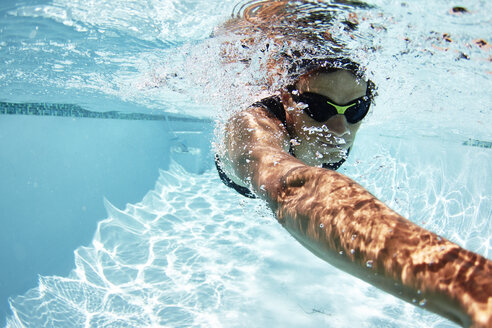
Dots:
pixel 193 253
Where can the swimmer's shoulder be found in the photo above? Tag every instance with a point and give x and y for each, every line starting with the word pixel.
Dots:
pixel 256 119
pixel 246 130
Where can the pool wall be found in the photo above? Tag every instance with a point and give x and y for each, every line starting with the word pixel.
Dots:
pixel 56 171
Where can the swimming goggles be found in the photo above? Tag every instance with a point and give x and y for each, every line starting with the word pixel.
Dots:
pixel 321 108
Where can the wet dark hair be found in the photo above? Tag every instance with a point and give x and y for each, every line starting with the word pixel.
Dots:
pixel 302 67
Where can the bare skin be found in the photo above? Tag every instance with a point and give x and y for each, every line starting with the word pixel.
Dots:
pixel 341 222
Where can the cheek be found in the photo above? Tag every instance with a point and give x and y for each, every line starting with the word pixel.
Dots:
pixel 353 128
pixel 299 125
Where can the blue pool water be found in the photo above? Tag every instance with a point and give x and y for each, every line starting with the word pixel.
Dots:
pixel 121 221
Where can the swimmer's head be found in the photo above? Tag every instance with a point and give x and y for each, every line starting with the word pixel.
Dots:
pixel 325 107
pixel 302 68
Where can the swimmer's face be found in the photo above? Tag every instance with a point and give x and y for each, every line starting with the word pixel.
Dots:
pixel 324 142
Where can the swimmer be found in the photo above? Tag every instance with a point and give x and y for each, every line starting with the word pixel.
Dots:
pixel 285 149
pixel 270 149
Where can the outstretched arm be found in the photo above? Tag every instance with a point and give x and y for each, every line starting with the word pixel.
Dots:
pixel 342 223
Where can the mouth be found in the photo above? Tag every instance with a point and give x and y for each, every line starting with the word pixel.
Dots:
pixel 333 145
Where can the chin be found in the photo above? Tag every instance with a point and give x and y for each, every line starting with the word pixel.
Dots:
pixel 335 156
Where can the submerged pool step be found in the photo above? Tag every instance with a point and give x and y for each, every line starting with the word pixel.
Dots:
pixel 192 149
pixel 188 138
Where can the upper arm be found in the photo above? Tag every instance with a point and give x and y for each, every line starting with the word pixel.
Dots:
pixel 254 138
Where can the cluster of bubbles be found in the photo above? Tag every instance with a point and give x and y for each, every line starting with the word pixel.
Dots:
pixel 260 50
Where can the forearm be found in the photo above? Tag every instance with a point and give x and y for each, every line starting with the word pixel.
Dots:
pixel 342 223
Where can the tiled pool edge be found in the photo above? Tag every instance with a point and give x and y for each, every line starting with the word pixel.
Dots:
pixel 73 110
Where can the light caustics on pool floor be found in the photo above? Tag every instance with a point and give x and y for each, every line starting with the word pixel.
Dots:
pixel 195 254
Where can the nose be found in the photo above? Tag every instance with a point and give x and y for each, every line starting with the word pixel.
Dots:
pixel 338 125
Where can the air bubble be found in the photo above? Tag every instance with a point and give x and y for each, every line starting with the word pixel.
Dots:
pixel 301 105
pixel 341 252
pixel 321 225
pixel 341 141
pixel 423 302
pixel 369 264
pixel 262 187
pixel 294 142
pixel 275 163
pixel 352 251
pixel 312 129
pixel 354 236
